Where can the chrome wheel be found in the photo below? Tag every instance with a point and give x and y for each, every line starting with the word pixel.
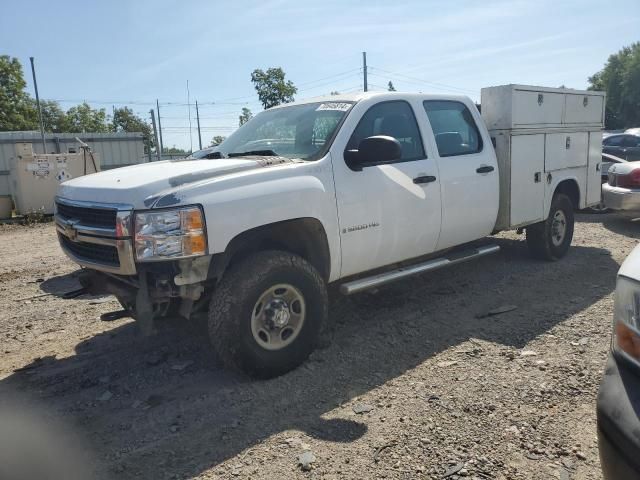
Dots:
pixel 558 228
pixel 278 316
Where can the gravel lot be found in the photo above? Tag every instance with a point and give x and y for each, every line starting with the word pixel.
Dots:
pixel 415 381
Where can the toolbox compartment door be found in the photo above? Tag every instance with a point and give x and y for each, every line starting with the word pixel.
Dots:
pixel 527 186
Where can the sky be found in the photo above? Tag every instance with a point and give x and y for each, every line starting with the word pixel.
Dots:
pixel 115 53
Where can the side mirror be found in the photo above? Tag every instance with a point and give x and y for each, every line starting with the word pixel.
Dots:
pixel 372 151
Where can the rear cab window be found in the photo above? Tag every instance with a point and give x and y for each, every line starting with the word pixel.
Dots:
pixel 454 128
pixel 615 141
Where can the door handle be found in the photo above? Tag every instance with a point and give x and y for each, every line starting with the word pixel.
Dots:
pixel 424 179
pixel 484 169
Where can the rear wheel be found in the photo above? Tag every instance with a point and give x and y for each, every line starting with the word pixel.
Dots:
pixel 267 313
pixel 550 240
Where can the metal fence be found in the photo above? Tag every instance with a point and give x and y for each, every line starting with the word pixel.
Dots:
pixel 115 149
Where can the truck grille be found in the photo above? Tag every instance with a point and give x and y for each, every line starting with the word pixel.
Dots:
pixel 94 217
pixel 105 254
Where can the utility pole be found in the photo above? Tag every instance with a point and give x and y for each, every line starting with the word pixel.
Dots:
pixel 35 86
pixel 159 126
pixel 198 119
pixel 189 110
pixel 364 70
pixel 155 133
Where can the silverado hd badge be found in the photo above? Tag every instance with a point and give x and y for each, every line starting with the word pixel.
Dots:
pixel 364 226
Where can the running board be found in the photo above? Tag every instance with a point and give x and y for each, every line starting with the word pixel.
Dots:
pixel 361 284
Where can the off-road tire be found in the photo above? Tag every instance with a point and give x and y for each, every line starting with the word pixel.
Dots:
pixel 539 235
pixel 232 305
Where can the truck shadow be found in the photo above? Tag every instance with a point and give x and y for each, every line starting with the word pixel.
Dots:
pixel 172 409
pixel 60 285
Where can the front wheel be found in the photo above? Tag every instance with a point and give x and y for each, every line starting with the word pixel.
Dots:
pixel 550 240
pixel 267 313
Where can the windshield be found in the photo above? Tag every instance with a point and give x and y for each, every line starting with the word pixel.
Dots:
pixel 300 131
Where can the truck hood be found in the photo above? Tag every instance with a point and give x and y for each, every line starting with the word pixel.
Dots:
pixel 145 185
pixel 631 266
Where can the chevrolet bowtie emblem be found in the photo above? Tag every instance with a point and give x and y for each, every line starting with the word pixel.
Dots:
pixel 70 230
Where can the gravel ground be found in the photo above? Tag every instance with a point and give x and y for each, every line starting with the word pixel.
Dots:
pixel 416 380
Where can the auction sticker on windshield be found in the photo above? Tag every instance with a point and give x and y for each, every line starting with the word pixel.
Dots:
pixel 341 107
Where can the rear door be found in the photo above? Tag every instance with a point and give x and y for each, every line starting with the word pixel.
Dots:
pixel 631 148
pixel 468 172
pixel 613 145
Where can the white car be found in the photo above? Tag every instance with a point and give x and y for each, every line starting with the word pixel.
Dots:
pixel 622 190
pixel 360 189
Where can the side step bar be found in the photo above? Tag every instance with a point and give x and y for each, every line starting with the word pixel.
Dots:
pixel 361 284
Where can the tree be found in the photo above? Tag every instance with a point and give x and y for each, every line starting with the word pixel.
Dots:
pixel 245 116
pixel 391 87
pixel 334 92
pixel 124 120
pixel 53 117
pixel 620 78
pixel 217 140
pixel 174 151
pixel 83 118
pixel 272 88
pixel 16 110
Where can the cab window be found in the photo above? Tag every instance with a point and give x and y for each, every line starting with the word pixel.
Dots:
pixel 455 130
pixel 395 119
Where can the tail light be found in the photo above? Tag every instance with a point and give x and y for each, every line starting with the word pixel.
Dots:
pixel 630 180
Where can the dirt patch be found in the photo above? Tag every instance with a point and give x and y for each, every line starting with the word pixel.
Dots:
pixel 433 377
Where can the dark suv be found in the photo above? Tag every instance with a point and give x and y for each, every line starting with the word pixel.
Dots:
pixel 623 145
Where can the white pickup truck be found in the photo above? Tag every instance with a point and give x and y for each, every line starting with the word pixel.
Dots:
pixel 357 189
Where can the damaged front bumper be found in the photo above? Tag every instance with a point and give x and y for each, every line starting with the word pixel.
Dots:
pixel 96 235
pixel 99 238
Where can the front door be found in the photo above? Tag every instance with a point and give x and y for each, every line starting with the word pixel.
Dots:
pixel 388 212
pixel 468 173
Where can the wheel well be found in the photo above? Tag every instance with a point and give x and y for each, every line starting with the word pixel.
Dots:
pixel 305 237
pixel 570 189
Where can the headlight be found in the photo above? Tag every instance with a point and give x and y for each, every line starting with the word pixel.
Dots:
pixel 626 319
pixel 167 234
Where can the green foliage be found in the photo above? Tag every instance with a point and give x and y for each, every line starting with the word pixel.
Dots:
pixel 124 120
pixel 245 116
pixel 620 78
pixel 34 217
pixel 83 118
pixel 218 139
pixel 16 109
pixel 174 151
pixel 53 117
pixel 391 87
pixel 272 88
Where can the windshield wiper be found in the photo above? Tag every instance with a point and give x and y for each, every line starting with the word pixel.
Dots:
pixel 261 153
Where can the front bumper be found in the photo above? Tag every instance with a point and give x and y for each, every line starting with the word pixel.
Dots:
pixel 618 410
pixel 619 198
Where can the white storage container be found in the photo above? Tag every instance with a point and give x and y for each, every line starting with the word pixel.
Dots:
pixel 35 178
pixel 521 106
pixel 542 135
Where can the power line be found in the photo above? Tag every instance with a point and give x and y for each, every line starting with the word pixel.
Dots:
pixel 351 72
pixel 224 101
pixel 441 86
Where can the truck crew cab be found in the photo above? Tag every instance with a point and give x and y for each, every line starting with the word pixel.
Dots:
pixel 359 189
